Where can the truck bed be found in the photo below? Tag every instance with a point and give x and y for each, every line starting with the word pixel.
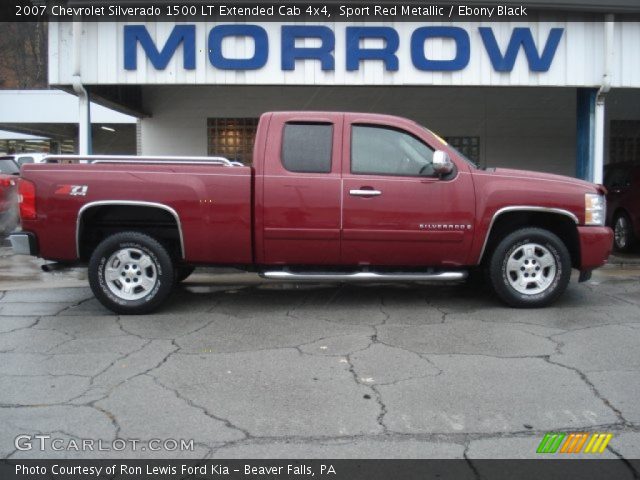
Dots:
pixel 213 204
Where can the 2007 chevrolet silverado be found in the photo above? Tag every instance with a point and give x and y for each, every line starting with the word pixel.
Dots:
pixel 330 197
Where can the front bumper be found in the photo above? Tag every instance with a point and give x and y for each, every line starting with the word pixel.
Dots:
pixel 24 243
pixel 595 246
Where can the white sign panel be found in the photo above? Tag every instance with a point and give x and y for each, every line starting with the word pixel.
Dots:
pixel 558 53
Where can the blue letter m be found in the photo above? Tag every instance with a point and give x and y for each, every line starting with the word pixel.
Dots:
pixel 180 34
pixel 521 36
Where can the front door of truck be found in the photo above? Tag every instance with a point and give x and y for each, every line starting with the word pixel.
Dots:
pixel 396 211
pixel 301 203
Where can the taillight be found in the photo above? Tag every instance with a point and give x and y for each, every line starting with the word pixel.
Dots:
pixel 27 191
pixel 7 181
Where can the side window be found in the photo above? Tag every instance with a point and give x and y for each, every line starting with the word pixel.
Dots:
pixel 306 147
pixel 23 160
pixel 386 151
pixel 8 167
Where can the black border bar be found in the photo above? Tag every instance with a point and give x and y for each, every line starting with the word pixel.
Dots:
pixel 544 469
pixel 311 10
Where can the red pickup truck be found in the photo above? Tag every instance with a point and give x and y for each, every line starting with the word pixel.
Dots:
pixel 330 197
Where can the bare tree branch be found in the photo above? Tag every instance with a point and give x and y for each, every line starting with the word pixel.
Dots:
pixel 23 55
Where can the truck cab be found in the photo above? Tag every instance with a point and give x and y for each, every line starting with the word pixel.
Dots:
pixel 361 190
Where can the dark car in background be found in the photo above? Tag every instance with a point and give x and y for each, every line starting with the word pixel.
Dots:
pixel 9 171
pixel 623 203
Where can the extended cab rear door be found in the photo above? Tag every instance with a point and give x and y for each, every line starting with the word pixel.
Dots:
pixel 396 211
pixel 300 201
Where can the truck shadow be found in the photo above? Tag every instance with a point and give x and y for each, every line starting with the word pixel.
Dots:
pixel 407 297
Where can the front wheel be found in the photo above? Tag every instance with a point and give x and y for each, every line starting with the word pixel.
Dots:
pixel 530 267
pixel 131 273
pixel 623 237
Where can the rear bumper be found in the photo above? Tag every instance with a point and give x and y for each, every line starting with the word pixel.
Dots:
pixel 24 243
pixel 595 246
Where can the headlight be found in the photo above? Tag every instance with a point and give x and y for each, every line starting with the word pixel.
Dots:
pixel 595 208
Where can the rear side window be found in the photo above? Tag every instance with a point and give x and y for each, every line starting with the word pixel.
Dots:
pixel 306 147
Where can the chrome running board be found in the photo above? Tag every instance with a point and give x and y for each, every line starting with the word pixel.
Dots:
pixel 362 276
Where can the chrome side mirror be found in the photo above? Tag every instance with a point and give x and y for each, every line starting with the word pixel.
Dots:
pixel 442 164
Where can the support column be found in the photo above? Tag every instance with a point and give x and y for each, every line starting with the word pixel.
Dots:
pixel 84 122
pixel 84 101
pixel 597 171
pixel 586 132
pixel 54 147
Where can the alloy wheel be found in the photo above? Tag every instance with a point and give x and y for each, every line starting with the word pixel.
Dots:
pixel 531 269
pixel 621 232
pixel 130 273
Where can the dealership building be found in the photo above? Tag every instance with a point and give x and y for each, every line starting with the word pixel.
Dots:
pixel 555 91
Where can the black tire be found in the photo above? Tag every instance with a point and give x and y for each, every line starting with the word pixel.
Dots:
pixel 546 277
pixel 623 236
pixel 183 272
pixel 152 285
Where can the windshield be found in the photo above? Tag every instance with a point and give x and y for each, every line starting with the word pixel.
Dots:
pixel 8 166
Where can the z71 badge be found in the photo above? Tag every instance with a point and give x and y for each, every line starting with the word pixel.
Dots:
pixel 73 190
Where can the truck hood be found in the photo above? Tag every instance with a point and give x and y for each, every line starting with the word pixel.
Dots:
pixel 547 177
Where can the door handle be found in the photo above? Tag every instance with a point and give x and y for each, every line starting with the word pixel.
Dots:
pixel 365 193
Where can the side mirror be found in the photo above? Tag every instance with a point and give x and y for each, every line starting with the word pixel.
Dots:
pixel 442 164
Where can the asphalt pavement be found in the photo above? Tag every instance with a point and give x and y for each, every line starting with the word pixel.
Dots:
pixel 248 369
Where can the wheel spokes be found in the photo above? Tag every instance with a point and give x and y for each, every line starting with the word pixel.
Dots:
pixel 530 269
pixel 112 274
pixel 124 256
pixel 130 273
pixel 145 262
pixel 147 283
pixel 513 265
pixel 547 260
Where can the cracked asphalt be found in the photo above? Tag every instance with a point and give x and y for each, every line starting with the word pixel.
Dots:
pixel 262 370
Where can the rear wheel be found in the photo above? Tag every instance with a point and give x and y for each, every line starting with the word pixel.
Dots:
pixel 530 267
pixel 131 273
pixel 623 236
